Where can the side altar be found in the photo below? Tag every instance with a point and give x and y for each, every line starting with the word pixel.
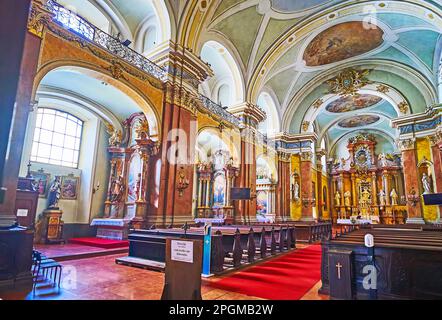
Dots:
pixel 126 205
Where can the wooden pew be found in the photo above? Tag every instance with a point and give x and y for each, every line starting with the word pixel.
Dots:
pixel 408 260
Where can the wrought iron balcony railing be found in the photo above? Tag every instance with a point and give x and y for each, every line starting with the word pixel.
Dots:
pixel 219 111
pixel 75 23
pixel 85 29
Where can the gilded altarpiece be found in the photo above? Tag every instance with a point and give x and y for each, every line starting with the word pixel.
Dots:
pixel 368 187
pixel 127 190
pixel 215 179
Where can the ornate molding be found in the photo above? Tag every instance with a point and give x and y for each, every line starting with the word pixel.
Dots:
pixel 306 156
pixel 349 82
pixel 382 88
pixel 407 144
pixel 39 17
pixel 403 107
pixel 305 125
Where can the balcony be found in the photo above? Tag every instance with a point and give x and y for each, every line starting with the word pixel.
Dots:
pixel 81 27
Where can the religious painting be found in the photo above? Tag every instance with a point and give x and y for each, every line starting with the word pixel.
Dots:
pixel 261 203
pixel 219 190
pixel 359 121
pixel 352 103
pixel 69 187
pixel 134 178
pixel 342 41
pixel 41 181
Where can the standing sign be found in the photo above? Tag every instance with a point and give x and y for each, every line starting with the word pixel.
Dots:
pixel 182 251
pixel 207 246
pixel 182 275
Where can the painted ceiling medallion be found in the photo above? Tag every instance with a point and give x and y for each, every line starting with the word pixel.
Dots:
pixel 352 103
pixel 349 82
pixel 342 41
pixel 359 121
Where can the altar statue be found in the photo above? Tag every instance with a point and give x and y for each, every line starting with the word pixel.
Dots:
pixel 54 193
pixel 382 158
pixel 382 198
pixel 296 191
pixel 337 199
pixel 365 197
pixel 347 198
pixel 117 189
pixel 394 197
pixel 426 183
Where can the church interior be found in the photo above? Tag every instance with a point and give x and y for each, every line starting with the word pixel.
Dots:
pixel 295 145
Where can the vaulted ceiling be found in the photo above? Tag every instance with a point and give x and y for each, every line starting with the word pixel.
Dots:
pixel 291 48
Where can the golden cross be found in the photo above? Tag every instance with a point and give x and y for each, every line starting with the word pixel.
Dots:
pixel 339 266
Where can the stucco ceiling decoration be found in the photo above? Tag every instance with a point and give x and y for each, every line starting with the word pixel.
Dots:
pixel 343 41
pixel 353 103
pixel 359 121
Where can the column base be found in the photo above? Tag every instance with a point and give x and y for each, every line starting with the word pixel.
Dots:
pixel 415 221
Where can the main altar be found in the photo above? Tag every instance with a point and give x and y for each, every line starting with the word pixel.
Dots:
pixel 367 186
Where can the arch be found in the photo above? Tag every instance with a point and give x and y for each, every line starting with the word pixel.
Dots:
pixel 122 86
pixel 211 139
pixel 269 164
pixel 226 70
pixel 271 124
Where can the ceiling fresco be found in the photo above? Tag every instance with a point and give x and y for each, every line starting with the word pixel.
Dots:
pixel 343 41
pixel 359 121
pixel 293 6
pixel 352 103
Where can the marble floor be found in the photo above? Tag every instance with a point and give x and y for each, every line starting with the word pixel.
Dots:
pixel 100 278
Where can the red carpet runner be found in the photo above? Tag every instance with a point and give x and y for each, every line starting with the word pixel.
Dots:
pixel 100 243
pixel 288 277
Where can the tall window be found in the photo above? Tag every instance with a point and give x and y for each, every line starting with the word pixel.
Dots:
pixel 57 138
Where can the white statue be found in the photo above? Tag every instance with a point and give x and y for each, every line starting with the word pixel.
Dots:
pixel 347 196
pixel 426 183
pixel 382 198
pixel 296 190
pixel 337 199
pixel 394 197
pixel 382 158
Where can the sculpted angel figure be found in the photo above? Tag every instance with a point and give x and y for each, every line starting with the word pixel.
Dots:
pixel 116 136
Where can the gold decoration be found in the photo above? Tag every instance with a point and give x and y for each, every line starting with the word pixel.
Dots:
pixel 142 129
pixel 116 70
pixel 305 125
pixel 382 88
pixel 116 136
pixel 38 18
pixel 403 107
pixel 348 82
pixel 306 156
pixel 318 103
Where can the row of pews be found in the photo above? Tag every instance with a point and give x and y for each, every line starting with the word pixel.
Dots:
pixel 231 246
pixel 310 232
pixel 406 260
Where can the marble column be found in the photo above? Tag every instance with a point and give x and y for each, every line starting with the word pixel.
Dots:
pixel 411 177
pixel 307 186
pixel 283 188
pixel 319 196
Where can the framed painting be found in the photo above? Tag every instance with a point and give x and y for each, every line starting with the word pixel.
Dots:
pixel 41 182
pixel 69 187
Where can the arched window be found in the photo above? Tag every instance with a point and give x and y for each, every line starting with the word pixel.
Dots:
pixel 224 95
pixel 57 138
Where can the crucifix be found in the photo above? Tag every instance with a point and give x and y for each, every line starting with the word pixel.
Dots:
pixel 339 266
